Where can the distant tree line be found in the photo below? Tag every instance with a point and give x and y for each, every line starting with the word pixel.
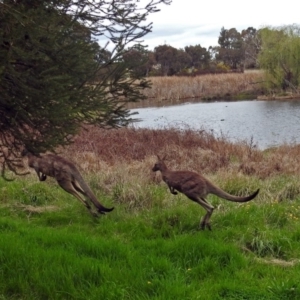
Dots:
pixel 235 52
pixel 274 49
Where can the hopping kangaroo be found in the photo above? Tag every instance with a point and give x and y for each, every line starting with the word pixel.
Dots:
pixel 67 176
pixel 195 187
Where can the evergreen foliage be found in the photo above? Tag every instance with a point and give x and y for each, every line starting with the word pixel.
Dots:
pixel 54 76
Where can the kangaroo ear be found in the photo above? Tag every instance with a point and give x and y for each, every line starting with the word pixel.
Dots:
pixel 159 158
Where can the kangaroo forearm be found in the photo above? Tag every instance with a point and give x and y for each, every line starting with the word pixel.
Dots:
pixel 172 190
pixel 41 176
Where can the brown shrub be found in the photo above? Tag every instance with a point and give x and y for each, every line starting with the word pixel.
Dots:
pixel 97 149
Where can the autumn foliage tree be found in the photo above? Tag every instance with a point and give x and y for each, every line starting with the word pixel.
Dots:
pixel 61 68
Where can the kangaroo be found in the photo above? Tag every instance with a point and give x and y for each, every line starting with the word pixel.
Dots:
pixel 195 187
pixel 67 176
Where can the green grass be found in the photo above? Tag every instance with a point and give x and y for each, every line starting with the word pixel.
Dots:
pixel 51 248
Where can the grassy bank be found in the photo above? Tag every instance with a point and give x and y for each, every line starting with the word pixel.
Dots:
pixel 150 247
pixel 234 86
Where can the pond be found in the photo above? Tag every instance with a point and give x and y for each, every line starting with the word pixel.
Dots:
pixel 265 123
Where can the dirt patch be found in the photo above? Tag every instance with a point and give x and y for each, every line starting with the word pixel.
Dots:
pixel 278 262
pixel 37 209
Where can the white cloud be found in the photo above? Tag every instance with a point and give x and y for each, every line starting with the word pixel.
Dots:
pixel 191 22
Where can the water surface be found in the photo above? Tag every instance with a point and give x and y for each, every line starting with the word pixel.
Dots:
pixel 266 123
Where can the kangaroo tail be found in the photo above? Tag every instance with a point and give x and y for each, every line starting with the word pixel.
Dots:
pixel 82 187
pixel 102 210
pixel 217 191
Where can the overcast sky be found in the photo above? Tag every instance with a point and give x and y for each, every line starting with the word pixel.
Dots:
pixel 192 22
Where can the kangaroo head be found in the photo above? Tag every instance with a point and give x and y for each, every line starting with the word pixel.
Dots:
pixel 159 165
pixel 27 152
pixel 24 152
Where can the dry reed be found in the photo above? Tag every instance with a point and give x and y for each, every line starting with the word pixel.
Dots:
pixel 210 86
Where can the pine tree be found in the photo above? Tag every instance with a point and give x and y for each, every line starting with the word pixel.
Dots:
pixel 58 73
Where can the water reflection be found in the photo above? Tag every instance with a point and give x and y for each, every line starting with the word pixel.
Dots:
pixel 268 123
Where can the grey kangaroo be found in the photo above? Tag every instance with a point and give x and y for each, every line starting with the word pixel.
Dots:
pixel 195 187
pixel 67 176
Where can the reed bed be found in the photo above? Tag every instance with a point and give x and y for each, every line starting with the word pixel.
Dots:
pixel 204 87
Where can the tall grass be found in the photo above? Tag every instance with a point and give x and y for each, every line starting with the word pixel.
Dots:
pixel 174 89
pixel 150 247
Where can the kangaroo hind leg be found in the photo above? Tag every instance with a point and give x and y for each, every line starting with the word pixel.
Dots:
pixel 205 222
pixel 68 186
pixel 78 188
pixel 209 210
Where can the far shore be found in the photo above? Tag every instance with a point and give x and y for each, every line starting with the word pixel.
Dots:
pixel 290 96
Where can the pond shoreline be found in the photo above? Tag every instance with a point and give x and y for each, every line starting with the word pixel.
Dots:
pixel 266 123
pixel 278 97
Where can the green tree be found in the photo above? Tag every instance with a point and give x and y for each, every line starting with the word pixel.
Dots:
pixel 200 57
pixel 54 76
pixel 182 61
pixel 251 46
pixel 138 60
pixel 230 50
pixel 280 56
pixel 166 56
pixel 171 60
